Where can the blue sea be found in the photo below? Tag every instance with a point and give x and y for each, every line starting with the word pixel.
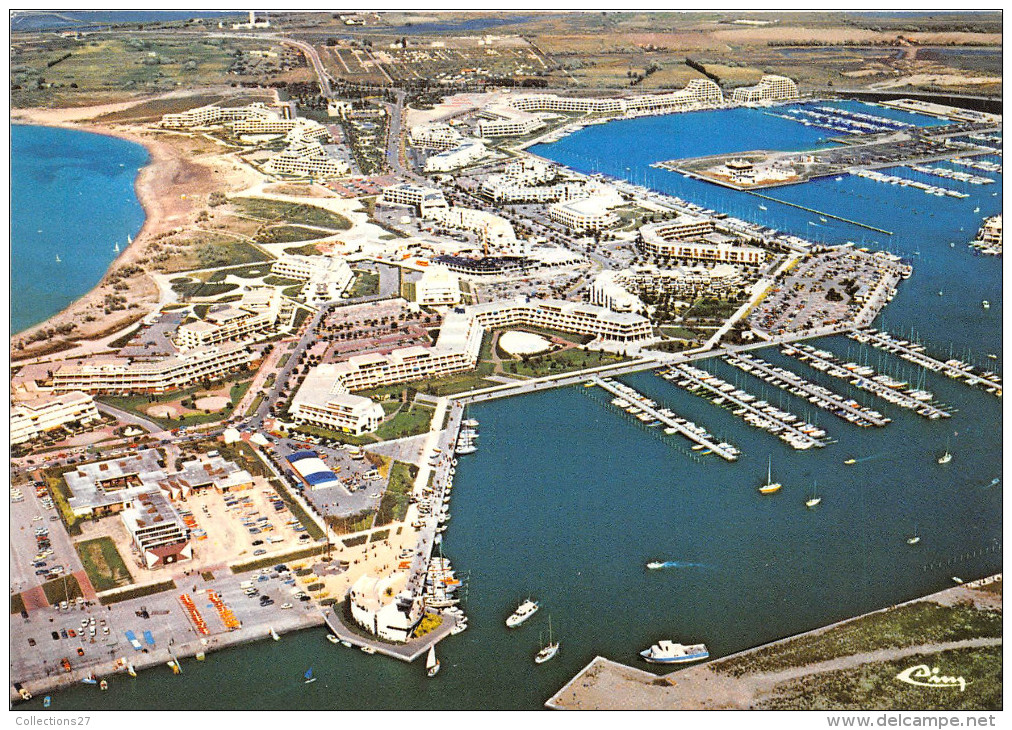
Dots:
pixel 567 499
pixel 72 197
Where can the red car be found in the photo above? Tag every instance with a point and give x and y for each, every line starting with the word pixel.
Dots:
pixel 80 651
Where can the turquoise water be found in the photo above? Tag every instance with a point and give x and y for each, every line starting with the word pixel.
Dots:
pixel 567 499
pixel 72 196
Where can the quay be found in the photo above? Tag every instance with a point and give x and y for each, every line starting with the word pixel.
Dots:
pixel 757 413
pixel 674 423
pixel 406 652
pixel 912 352
pixel 820 212
pixel 847 409
pixel 866 379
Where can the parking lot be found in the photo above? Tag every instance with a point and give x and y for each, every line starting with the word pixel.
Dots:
pixel 35 557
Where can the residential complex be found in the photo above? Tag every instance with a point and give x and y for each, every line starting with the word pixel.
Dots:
pixel 326 277
pixel 678 239
pixel 322 400
pixel 123 375
pixel 436 136
pixel 620 291
pixel 224 322
pixel 585 214
pixel 417 196
pixel 157 531
pixel 43 413
pixel 769 88
pixel 466 153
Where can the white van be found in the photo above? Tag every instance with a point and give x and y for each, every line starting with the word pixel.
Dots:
pixel 246 585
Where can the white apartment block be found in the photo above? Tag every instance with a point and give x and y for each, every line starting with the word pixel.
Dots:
pixel 438 286
pixel 306 158
pixel 435 136
pixel 121 375
pixel 210 115
pixel 419 197
pixel 530 171
pixel 673 239
pixel 620 290
pixel 491 229
pixel 465 154
pixel 321 400
pixel 769 88
pixel 585 214
pixel 224 322
pixel 326 277
pixel 32 418
pixel 503 189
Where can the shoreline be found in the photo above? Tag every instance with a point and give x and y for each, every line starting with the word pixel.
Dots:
pixel 168 166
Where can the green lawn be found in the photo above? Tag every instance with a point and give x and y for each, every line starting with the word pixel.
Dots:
pixel 61 589
pixel 563 361
pixel 309 249
pixel 103 563
pixel 17 603
pixel 394 504
pixel 250 271
pixel 194 289
pixel 366 284
pixel 61 493
pixel 275 210
pixel 137 403
pixel 290 234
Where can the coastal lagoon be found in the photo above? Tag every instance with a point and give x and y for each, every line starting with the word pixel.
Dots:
pixel 72 198
pixel 567 499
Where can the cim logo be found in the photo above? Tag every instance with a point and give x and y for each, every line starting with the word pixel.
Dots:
pixel 924 676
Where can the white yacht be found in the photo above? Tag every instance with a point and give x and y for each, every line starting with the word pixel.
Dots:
pixel 524 611
pixel 550 649
pixel 668 652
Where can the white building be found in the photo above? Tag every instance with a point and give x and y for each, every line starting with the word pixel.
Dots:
pixel 438 286
pixel 384 606
pixel 435 136
pixel 122 375
pixel 492 229
pixel 418 196
pixel 306 158
pixel 31 418
pixel 621 291
pixel 212 114
pixel 769 88
pixel 326 277
pixel 467 153
pixel 224 322
pixel 678 239
pixel 586 214
pixel 322 401
pixel 158 532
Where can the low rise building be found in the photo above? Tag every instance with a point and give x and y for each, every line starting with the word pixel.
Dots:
pixel 419 197
pixel 679 239
pixel 464 154
pixel 621 291
pixel 306 158
pixel 212 115
pixel 435 136
pixel 43 413
pixel 384 606
pixel 437 286
pixel 223 322
pixel 585 214
pixel 157 530
pixel 493 230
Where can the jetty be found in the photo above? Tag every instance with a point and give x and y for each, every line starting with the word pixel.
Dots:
pixel 788 427
pixel 405 652
pixel 822 213
pixel 951 174
pixel 846 408
pixel 648 412
pixel 865 378
pixel 915 353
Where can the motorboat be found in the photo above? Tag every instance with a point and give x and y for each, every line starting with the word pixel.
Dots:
pixel 655 565
pixel 524 611
pixel 669 652
pixel 332 639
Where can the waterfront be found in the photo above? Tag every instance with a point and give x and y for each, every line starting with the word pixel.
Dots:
pixel 72 197
pixel 575 532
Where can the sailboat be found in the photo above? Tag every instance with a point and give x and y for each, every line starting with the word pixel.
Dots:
pixel 762 207
pixel 977 209
pixel 58 258
pixel 308 676
pixel 130 670
pixel 915 538
pixel 770 485
pixel 116 247
pixel 813 500
pixel 431 663
pixel 274 635
pixel 823 219
pixel 550 649
pixel 947 456
pixel 986 304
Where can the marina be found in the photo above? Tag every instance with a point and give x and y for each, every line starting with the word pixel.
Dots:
pixel 638 405
pixel 865 378
pixel 952 174
pixel 758 413
pixel 847 409
pixel 908 183
pixel 915 353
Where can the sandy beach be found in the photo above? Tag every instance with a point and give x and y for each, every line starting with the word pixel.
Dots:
pixel 172 188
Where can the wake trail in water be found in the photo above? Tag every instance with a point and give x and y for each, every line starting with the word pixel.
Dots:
pixel 681 564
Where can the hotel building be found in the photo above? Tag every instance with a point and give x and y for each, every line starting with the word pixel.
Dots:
pixel 224 322
pixel 32 418
pixel 493 230
pixel 620 291
pixel 306 158
pixel 462 155
pixel 435 136
pixel 769 88
pixel 585 214
pixel 321 400
pixel 674 239
pixel 212 114
pixel 417 196
pixel 122 375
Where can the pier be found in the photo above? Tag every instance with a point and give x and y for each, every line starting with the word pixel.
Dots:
pixel 864 377
pixel 951 174
pixel 406 652
pixel 912 352
pixel 674 424
pixel 821 212
pixel 756 413
pixel 847 409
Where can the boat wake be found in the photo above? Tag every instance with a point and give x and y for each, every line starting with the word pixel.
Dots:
pixel 677 564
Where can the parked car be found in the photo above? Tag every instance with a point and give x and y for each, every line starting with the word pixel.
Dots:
pixel 260 551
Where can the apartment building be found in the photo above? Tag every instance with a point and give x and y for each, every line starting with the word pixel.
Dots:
pixel 769 88
pixel 32 418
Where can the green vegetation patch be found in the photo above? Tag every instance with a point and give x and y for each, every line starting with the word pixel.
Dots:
pixel 309 249
pixel 366 284
pixel 17 603
pixel 192 289
pixel 61 493
pixel 289 234
pixel 103 563
pixel 429 623
pixel 353 541
pixel 62 589
pixel 910 625
pixel 394 504
pixel 250 271
pixel 139 592
pixel 874 686
pixel 226 253
pixel 563 361
pixel 276 210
